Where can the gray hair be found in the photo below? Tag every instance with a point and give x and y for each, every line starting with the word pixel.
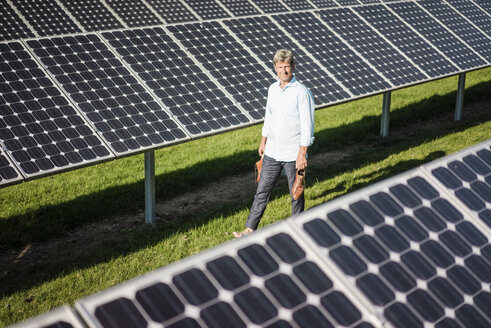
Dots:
pixel 283 55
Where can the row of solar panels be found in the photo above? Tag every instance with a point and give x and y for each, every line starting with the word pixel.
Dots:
pixel 411 251
pixel 25 18
pixel 73 100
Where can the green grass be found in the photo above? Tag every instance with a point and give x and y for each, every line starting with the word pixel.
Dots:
pixel 46 208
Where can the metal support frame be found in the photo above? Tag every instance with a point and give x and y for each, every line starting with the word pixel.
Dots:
pixel 149 186
pixel 384 124
pixel 460 97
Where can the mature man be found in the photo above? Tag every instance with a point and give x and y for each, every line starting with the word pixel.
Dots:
pixel 287 132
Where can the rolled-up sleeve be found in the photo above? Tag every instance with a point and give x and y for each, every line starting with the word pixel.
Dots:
pixel 307 112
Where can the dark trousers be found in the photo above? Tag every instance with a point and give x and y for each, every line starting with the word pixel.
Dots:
pixel 270 173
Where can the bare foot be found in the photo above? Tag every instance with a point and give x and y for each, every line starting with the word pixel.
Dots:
pixel 246 231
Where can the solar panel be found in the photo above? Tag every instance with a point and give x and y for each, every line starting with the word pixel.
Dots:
pixel 12 25
pixel 192 97
pixel 348 2
pixel 415 254
pixel 460 26
pixel 39 128
pixel 63 317
pixel 377 51
pixel 467 176
pixel 298 4
pixel 207 9
pixel 172 11
pixel 324 3
pixel 438 35
pixel 240 7
pixel 134 13
pixel 411 44
pixel 264 38
pixel 8 171
pixel 268 280
pixel 119 107
pixel 229 63
pixel 474 13
pixel 92 14
pixel 346 66
pixel 484 4
pixel 270 6
pixel 370 1
pixel 46 17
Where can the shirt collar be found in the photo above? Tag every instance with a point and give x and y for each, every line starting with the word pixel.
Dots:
pixel 293 82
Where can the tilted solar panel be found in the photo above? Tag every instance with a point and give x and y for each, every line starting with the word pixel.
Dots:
pixel 409 42
pixel 460 26
pixel 46 17
pixel 345 65
pixel 120 108
pixel 474 13
pixel 264 38
pixel 39 128
pixel 229 63
pixel 324 3
pixel 191 96
pixel 269 280
pixel 484 4
pixel 134 13
pixel 240 7
pixel 8 171
pixel 92 14
pixel 270 6
pixel 438 35
pixel 63 317
pixel 298 4
pixel 386 59
pixel 348 2
pixel 207 9
pixel 172 11
pixel 12 27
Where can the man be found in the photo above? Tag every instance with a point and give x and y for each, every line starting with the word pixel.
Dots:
pixel 287 132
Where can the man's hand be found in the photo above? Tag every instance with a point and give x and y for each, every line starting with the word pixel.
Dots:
pixel 301 162
pixel 262 146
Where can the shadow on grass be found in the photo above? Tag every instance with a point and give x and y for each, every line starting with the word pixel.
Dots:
pixel 52 221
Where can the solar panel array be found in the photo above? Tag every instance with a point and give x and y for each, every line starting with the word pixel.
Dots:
pixel 410 251
pixel 203 68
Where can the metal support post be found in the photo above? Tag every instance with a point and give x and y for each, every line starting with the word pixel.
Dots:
pixel 384 126
pixel 460 97
pixel 149 186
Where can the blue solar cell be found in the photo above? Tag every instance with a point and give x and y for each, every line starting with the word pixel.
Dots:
pixel 120 312
pixel 221 315
pixel 386 59
pixel 169 304
pixel 375 289
pixel 8 172
pixel 256 305
pixel 341 308
pixel 227 272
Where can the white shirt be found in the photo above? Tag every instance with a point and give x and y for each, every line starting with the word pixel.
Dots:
pixel 289 120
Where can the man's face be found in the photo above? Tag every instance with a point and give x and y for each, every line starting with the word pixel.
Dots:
pixel 284 71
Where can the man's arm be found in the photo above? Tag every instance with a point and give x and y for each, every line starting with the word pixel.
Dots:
pixel 306 108
pixel 262 146
pixel 301 162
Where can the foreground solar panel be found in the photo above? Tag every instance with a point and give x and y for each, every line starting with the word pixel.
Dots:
pixel 63 317
pixel 456 23
pixel 472 12
pixel 134 13
pixel 121 110
pixel 172 11
pixel 92 14
pixel 39 128
pixel 379 53
pixel 344 64
pixel 207 9
pixel 269 280
pixel 229 63
pixel 438 35
pixel 8 172
pixel 46 17
pixel 400 253
pixel 411 44
pixel 264 38
pixel 12 27
pixel 240 7
pixel 192 97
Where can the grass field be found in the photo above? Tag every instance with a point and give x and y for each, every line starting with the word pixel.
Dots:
pixel 34 213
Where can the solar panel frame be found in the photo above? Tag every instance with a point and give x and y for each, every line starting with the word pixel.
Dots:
pixel 51 135
pixel 437 34
pixel 62 317
pixel 246 276
pixel 120 98
pixel 138 56
pixel 9 173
